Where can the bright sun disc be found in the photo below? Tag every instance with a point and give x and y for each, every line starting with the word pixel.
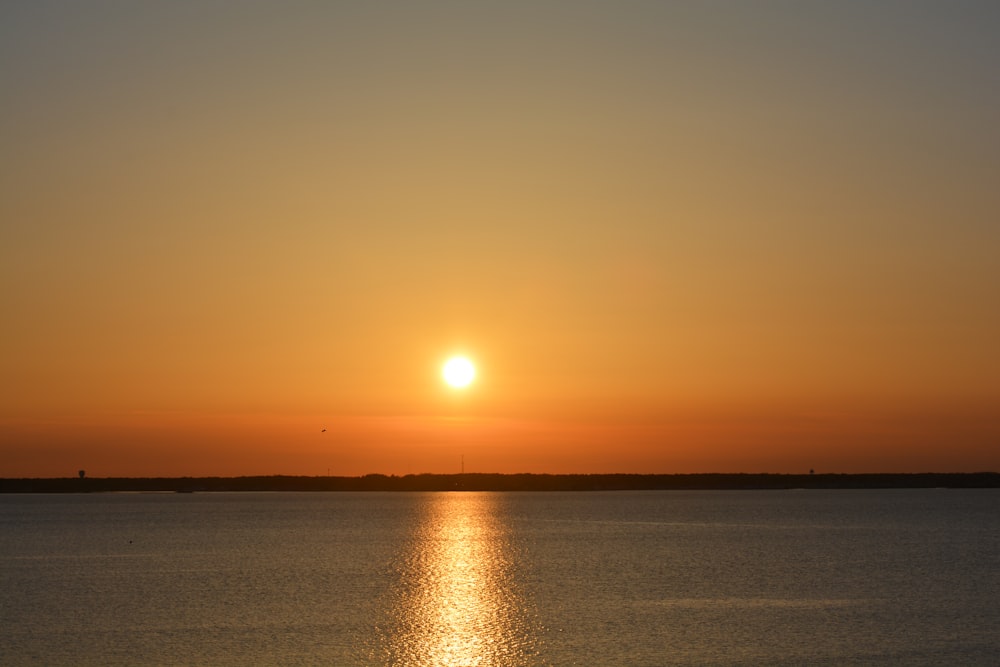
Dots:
pixel 458 372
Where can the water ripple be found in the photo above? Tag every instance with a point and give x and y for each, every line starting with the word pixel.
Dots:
pixel 456 602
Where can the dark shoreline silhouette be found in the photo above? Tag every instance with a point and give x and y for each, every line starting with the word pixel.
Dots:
pixel 505 482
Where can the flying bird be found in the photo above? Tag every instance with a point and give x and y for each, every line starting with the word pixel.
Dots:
pixel 323 431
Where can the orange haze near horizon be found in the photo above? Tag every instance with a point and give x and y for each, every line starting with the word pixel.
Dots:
pixel 672 238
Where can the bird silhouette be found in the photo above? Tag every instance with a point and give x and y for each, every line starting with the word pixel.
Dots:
pixel 323 431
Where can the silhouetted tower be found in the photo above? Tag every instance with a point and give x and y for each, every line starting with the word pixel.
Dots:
pixel 82 474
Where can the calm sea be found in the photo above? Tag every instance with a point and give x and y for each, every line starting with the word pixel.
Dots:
pixel 901 577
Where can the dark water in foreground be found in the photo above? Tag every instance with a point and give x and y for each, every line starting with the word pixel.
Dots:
pixel 901 577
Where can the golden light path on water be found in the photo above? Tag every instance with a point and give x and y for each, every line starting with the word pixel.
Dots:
pixel 457 603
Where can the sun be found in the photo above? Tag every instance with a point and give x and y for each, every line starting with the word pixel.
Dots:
pixel 458 372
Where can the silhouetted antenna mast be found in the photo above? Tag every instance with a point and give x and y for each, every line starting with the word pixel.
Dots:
pixel 463 464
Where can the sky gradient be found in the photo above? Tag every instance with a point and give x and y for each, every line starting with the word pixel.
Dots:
pixel 674 237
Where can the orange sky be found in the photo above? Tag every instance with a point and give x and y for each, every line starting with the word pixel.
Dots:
pixel 673 237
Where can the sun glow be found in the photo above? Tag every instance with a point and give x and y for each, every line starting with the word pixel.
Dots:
pixel 458 372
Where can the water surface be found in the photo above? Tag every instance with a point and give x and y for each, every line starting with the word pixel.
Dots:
pixel 629 578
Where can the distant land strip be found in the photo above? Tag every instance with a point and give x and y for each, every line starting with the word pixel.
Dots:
pixel 505 482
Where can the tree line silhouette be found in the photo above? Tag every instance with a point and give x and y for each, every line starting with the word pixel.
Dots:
pixel 504 482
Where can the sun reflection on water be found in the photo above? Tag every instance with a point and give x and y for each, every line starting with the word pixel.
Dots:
pixel 456 603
